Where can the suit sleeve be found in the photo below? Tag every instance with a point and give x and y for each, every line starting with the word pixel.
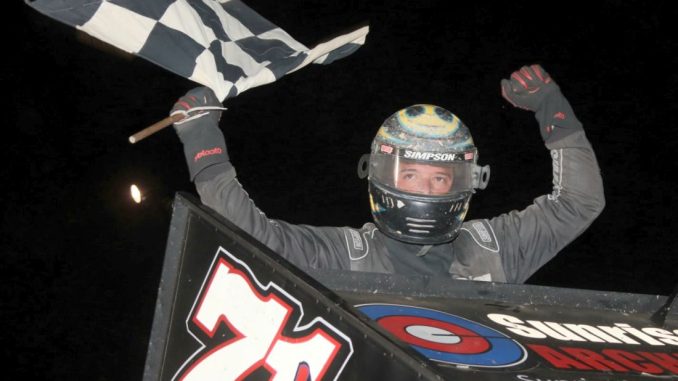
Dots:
pixel 531 237
pixel 214 176
pixel 303 245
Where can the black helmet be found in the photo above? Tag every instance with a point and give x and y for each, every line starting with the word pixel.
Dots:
pixel 422 173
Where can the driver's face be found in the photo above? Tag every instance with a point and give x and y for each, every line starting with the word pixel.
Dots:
pixel 424 178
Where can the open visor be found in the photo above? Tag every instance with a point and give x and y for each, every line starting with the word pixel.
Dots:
pixel 427 177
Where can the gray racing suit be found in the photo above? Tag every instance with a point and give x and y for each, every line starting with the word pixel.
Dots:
pixel 507 248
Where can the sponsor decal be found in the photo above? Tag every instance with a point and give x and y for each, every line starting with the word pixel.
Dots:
pixel 604 358
pixel 612 348
pixel 557 165
pixel 482 278
pixel 249 329
pixel 386 149
pixel 527 377
pixel 435 156
pixel 482 231
pixel 618 333
pixel 208 152
pixel 357 240
pixel 447 338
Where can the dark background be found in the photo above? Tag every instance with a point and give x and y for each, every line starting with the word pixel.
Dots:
pixel 81 262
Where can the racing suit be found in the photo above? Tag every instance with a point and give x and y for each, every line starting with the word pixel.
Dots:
pixel 507 248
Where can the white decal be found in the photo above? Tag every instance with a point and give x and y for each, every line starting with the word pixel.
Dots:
pixel 248 326
pixel 482 232
pixel 483 278
pixel 357 241
pixel 433 334
pixel 619 333
pixel 557 164
pixel 434 156
pixel 524 377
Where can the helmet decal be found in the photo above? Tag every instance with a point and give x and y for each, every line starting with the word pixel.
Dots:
pixel 428 127
pixel 427 122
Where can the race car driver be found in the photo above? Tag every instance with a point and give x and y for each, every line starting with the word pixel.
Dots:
pixel 422 172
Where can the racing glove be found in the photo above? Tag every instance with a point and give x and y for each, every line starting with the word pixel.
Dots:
pixel 203 142
pixel 532 88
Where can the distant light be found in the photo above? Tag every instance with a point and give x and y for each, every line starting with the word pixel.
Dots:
pixel 136 193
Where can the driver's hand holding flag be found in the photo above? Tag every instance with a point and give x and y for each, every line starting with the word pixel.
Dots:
pixel 204 144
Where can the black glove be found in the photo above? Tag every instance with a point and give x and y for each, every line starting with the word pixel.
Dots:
pixel 204 144
pixel 531 88
pixel 528 87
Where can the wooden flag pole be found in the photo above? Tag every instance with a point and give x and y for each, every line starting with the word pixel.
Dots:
pixel 155 127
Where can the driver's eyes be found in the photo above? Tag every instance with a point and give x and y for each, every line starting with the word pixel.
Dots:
pixel 440 179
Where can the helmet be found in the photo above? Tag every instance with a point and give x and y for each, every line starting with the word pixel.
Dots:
pixel 422 172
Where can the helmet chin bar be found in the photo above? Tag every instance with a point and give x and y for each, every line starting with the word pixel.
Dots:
pixel 425 220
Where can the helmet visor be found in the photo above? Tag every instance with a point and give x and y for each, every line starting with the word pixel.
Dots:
pixel 424 177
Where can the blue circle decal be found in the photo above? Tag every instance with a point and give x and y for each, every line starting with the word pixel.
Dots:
pixel 445 337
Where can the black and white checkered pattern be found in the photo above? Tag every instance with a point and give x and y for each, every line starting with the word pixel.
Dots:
pixel 222 44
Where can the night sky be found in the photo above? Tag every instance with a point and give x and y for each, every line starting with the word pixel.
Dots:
pixel 81 263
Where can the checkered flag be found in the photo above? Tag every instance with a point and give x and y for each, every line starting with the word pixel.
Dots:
pixel 221 44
